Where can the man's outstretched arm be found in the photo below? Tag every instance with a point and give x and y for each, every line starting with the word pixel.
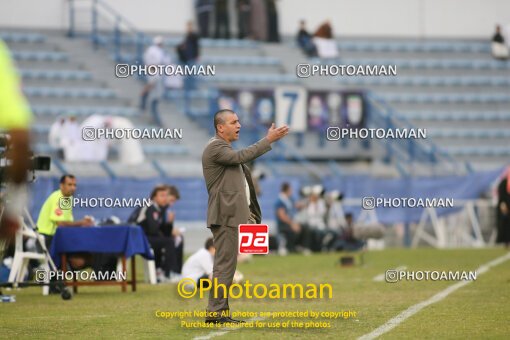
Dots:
pixel 223 153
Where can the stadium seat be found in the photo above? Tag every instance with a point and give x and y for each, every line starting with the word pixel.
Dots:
pixel 39 56
pixel 69 92
pixel 252 78
pixel 165 149
pixel 456 115
pixel 41 110
pixel 20 37
pixel 241 60
pixel 414 46
pixel 56 74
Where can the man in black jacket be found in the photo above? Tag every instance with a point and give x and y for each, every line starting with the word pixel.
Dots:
pixel 158 230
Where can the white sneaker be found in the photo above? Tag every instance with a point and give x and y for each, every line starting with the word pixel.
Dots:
pixel 160 276
pixel 175 278
pixel 307 252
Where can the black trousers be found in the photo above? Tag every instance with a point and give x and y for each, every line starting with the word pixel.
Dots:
pixel 47 242
pixel 203 24
pixel 168 257
pixel 302 238
pixel 222 29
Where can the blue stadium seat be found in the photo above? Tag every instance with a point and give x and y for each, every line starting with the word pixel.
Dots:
pixel 445 98
pixel 197 94
pixel 173 41
pixel 39 56
pixel 165 149
pixel 148 149
pixel 241 60
pixel 478 64
pixel 457 115
pixel 501 151
pixel 69 92
pixel 427 81
pixel 414 46
pixel 42 110
pixel 56 74
pixel 44 129
pixel 468 133
pixel 253 78
pixel 18 37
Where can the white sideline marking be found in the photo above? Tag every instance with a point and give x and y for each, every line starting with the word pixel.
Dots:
pixel 382 277
pixel 224 331
pixel 389 325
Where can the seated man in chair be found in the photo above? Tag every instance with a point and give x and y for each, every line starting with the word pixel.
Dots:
pixel 158 228
pixel 56 212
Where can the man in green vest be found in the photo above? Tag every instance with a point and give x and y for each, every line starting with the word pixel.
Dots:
pixel 57 211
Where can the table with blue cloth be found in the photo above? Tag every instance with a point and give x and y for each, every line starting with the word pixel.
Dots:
pixel 124 240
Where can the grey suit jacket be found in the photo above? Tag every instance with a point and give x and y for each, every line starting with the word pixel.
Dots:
pixel 224 173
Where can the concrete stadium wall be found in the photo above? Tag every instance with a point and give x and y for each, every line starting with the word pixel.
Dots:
pixel 400 18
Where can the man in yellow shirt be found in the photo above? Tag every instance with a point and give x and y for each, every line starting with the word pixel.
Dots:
pixel 15 119
pixel 57 210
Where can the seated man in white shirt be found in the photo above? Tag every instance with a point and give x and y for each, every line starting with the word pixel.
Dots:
pixel 200 264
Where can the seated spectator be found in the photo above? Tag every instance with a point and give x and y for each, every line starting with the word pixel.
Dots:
pixel 200 264
pixel 315 217
pixel 304 40
pixel 63 133
pixel 92 149
pixel 130 150
pixel 67 135
pixel 346 240
pixel 293 233
pixel 324 42
pixel 55 213
pixel 154 223
pixel 499 48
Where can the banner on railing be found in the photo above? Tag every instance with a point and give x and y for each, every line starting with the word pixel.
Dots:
pixel 296 107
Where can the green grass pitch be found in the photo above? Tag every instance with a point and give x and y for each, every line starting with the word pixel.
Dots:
pixel 480 309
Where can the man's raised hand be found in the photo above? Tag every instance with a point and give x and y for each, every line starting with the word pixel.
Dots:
pixel 274 134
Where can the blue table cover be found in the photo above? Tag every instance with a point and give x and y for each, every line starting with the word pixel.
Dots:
pixel 121 239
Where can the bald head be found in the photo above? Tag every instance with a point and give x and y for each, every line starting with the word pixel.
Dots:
pixel 220 117
pixel 226 124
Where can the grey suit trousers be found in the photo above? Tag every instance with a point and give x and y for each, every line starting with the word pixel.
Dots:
pixel 226 242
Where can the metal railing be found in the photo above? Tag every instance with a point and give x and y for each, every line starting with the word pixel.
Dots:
pixel 108 29
pixel 409 153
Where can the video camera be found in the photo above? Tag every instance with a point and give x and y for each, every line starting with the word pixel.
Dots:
pixel 37 162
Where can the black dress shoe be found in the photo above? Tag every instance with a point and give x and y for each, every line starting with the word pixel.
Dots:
pixel 234 321
pixel 217 320
pixel 223 319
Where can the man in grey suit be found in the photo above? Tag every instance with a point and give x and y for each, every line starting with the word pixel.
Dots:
pixel 232 200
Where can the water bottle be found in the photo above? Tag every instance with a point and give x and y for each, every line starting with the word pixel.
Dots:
pixel 8 298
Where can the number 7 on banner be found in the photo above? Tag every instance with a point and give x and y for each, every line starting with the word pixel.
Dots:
pixel 290 103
